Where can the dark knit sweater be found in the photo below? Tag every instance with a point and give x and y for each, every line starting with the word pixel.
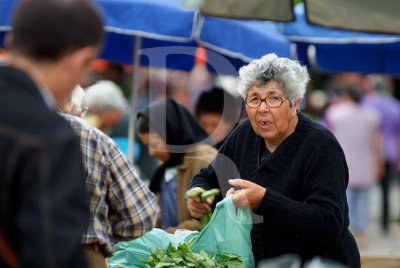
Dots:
pixel 304 210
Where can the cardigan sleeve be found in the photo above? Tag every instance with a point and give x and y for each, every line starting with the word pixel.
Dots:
pixel 221 169
pixel 321 215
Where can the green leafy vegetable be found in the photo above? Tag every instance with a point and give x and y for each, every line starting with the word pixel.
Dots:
pixel 183 256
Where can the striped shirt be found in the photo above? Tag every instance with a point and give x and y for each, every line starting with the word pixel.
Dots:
pixel 122 207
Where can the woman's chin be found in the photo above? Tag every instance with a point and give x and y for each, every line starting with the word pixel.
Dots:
pixel 265 133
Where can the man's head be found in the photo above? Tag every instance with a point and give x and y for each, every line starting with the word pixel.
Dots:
pixel 105 99
pixel 47 30
pixel 59 37
pixel 210 112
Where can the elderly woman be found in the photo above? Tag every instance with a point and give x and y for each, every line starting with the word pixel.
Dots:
pixel 183 147
pixel 289 170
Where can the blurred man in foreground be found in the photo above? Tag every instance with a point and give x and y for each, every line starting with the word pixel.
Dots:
pixel 44 206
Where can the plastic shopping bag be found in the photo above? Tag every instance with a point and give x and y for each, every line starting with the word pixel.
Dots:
pixel 128 254
pixel 227 232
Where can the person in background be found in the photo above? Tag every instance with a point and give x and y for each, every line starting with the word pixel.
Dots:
pixel 122 206
pixel 105 99
pixel 357 129
pixel 379 96
pixel 115 72
pixel 217 112
pixel 44 208
pixel 74 104
pixel 290 170
pixel 174 137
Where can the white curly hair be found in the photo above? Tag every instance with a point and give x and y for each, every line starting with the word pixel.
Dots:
pixel 290 75
pixel 105 94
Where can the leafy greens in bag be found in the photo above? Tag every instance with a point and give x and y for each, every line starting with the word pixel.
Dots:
pixel 183 256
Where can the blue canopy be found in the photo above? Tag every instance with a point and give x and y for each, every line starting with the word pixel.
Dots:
pixel 155 19
pixel 165 23
pixel 245 40
pixel 344 51
pixel 159 23
pixel 6 9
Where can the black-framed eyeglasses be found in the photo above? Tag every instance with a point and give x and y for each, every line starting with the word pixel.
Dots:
pixel 271 101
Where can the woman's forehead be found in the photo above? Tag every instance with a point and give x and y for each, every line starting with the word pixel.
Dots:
pixel 269 88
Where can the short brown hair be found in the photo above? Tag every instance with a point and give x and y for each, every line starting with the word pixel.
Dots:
pixel 49 29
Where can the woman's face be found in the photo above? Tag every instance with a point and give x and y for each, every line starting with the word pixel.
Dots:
pixel 273 124
pixel 215 125
pixel 157 146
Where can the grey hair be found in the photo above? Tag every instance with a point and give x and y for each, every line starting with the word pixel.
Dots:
pixel 77 97
pixel 105 94
pixel 290 75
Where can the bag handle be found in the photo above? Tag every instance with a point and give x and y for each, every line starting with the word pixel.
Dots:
pixel 242 216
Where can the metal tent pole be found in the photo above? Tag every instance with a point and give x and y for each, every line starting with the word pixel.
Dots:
pixel 135 88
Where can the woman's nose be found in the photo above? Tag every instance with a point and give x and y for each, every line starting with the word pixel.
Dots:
pixel 263 107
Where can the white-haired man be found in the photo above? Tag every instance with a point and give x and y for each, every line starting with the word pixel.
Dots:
pixel 105 99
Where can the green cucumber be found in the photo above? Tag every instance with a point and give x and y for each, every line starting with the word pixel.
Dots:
pixel 203 196
pixel 205 219
pixel 209 193
pixel 193 192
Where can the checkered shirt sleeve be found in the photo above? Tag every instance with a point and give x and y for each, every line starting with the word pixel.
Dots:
pixel 122 206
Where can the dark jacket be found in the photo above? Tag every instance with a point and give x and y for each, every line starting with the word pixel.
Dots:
pixel 304 210
pixel 44 207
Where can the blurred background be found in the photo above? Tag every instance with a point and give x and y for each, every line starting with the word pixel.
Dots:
pixel 185 49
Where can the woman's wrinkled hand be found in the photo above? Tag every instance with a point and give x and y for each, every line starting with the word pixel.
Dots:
pixel 196 208
pixel 249 196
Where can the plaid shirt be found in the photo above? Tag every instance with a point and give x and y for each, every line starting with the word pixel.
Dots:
pixel 122 207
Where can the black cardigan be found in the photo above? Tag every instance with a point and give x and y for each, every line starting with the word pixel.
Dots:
pixel 304 210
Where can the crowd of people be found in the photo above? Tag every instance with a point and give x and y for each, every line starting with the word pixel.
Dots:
pixel 69 193
pixel 364 114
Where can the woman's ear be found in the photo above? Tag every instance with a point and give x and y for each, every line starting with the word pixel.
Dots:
pixel 296 105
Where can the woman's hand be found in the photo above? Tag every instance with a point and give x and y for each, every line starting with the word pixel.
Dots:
pixel 249 196
pixel 196 208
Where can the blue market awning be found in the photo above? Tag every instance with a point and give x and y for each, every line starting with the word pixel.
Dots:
pixel 344 51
